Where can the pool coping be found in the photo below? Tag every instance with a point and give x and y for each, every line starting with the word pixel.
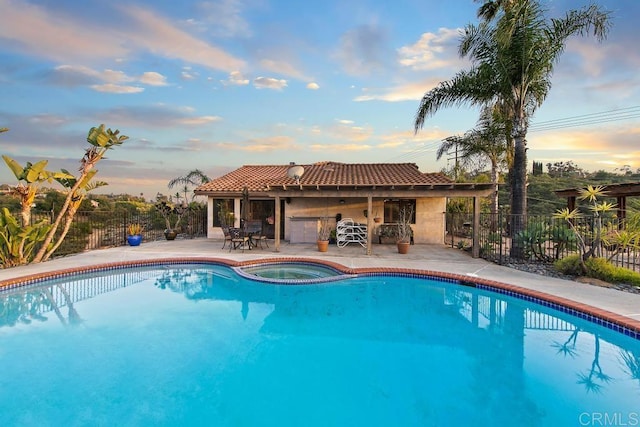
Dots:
pixel 616 322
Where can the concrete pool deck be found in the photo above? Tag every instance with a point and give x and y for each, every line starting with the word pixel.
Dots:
pixel 435 258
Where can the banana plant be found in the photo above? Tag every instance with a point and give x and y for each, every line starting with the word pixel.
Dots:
pixel 18 243
pixel 101 140
pixel 84 187
pixel 30 177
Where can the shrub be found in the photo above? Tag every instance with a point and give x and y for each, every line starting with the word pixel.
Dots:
pixel 600 268
pixel 570 265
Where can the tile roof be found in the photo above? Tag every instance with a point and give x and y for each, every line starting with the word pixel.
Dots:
pixel 259 178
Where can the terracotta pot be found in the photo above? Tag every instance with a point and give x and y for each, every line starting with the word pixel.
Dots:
pixel 403 247
pixel 170 234
pixel 323 245
pixel 377 220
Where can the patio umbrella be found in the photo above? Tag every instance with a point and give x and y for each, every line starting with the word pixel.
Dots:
pixel 244 209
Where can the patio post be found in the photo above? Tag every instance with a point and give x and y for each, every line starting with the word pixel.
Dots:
pixel 236 212
pixel 277 224
pixel 475 232
pixel 369 223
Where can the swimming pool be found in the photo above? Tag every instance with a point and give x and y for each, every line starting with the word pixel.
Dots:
pixel 197 344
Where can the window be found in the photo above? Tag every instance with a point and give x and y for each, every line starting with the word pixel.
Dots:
pixel 393 207
pixel 222 212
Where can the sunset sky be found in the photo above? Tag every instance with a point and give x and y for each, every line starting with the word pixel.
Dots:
pixel 213 85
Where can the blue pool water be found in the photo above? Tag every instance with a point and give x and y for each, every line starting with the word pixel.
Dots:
pixel 200 345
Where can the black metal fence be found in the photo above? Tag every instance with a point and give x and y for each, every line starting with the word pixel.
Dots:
pixel 103 229
pixel 507 238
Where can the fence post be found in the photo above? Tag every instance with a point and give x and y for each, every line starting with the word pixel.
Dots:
pixel 501 231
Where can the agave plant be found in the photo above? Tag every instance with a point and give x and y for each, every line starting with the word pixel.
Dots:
pixel 134 229
pixel 589 241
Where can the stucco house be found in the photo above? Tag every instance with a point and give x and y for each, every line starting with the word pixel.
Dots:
pixel 291 199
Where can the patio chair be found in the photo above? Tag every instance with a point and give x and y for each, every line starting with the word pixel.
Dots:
pixel 253 229
pixel 227 235
pixel 238 239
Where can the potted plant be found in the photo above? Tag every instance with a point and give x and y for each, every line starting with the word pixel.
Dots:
pixel 168 212
pixel 405 232
pixel 324 231
pixel 134 234
pixel 376 218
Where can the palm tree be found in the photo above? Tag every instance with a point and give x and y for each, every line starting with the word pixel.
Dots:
pixel 513 53
pixel 487 141
pixel 490 8
pixel 193 178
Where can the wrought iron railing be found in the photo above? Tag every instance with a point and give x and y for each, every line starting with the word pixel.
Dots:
pixel 103 229
pixel 538 238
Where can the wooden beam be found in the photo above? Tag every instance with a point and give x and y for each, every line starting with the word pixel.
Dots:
pixel 385 193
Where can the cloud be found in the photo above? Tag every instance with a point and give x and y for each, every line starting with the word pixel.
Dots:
pixel 313 86
pixel 32 135
pixel 426 141
pixel 46 33
pixel 112 88
pixel 102 81
pixel 158 36
pixel 433 51
pixel 406 92
pixel 201 120
pixel 346 130
pixel 152 78
pixel 155 116
pixel 72 76
pixel 282 67
pixel 269 83
pixel 261 145
pixel 364 50
pixel 47 120
pixel 235 79
pixel 223 18
pixel 591 149
pixel 340 147
pixel 593 57
pixel 37 31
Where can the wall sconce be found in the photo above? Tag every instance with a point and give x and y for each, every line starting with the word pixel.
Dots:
pixel 342 201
